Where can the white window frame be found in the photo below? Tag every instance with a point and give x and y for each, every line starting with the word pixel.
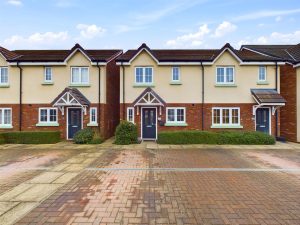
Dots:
pixel 96 119
pixel 2 83
pixel 127 115
pixel 225 73
pixel 2 125
pixel 230 116
pixel 48 115
pixel 80 74
pixel 45 74
pixel 144 74
pixel 175 115
pixel 265 68
pixel 175 67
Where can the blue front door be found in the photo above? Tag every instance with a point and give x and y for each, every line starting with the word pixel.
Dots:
pixel 74 121
pixel 263 120
pixel 149 123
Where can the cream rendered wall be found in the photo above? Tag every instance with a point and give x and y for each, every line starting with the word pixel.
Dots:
pixel 33 77
pixel 298 104
pixel 10 95
pixel 188 92
pixel 246 77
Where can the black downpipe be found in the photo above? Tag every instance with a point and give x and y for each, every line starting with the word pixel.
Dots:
pixel 276 114
pixel 202 95
pixel 20 96
pixel 123 83
pixel 99 97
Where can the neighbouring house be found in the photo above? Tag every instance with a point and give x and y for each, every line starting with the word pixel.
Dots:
pixel 289 85
pixel 63 90
pixel 205 89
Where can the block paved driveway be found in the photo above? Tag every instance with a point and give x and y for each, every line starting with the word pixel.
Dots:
pixel 163 186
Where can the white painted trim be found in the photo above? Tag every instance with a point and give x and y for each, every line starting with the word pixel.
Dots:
pixel 80 74
pixel 73 53
pixel 48 63
pixel 96 119
pixel 142 123
pixel 67 122
pixel 230 116
pixel 249 49
pixel 172 74
pixel 45 74
pixel 112 58
pixel 130 108
pixel 270 120
pixel 48 115
pixel 7 83
pixel 259 74
pixel 140 52
pixel 297 65
pixel 175 115
pixel 225 73
pixel 2 119
pixel 232 53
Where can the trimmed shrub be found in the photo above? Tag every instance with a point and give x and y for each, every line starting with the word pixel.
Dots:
pixel 220 138
pixel 96 141
pixel 2 141
pixel 126 133
pixel 28 137
pixel 84 136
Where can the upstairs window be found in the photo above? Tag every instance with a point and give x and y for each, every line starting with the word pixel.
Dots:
pixel 262 73
pixel 48 74
pixel 3 75
pixel 225 75
pixel 79 75
pixel 5 117
pixel 143 75
pixel 175 74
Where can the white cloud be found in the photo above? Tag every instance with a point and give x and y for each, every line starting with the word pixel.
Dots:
pixel 274 38
pixel 266 13
pixel 15 2
pixel 191 39
pixel 90 31
pixel 278 18
pixel 224 28
pixel 38 40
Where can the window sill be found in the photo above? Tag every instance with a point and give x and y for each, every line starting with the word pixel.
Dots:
pixel 227 126
pixel 47 83
pixel 47 124
pixel 225 85
pixel 4 85
pixel 176 124
pixel 143 85
pixel 262 82
pixel 92 124
pixel 175 83
pixel 6 127
pixel 79 85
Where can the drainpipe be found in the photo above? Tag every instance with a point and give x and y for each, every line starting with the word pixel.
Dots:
pixel 202 95
pixel 99 96
pixel 276 114
pixel 123 83
pixel 20 96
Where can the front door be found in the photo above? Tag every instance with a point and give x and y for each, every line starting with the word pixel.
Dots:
pixel 149 123
pixel 263 120
pixel 74 121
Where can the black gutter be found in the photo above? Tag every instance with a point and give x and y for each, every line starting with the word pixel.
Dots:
pixel 123 83
pixel 99 96
pixel 20 96
pixel 276 85
pixel 202 95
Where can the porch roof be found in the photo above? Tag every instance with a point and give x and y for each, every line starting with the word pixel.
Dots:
pixel 149 97
pixel 267 96
pixel 75 93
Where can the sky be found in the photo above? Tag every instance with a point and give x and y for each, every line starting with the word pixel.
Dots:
pixel 126 24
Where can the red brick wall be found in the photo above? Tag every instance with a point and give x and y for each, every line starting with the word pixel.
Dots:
pixel 288 113
pixel 193 117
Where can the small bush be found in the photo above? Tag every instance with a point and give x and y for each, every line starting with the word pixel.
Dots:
pixel 84 136
pixel 126 133
pixel 27 137
pixel 220 138
pixel 96 141
pixel 2 141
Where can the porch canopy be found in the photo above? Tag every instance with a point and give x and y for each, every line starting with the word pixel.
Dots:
pixel 149 98
pixel 267 97
pixel 71 97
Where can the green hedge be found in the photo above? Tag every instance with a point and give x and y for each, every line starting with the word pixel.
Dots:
pixel 26 137
pixel 126 133
pixel 219 138
pixel 2 141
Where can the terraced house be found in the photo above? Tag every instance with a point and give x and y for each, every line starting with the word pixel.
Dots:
pixel 63 90
pixel 215 89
